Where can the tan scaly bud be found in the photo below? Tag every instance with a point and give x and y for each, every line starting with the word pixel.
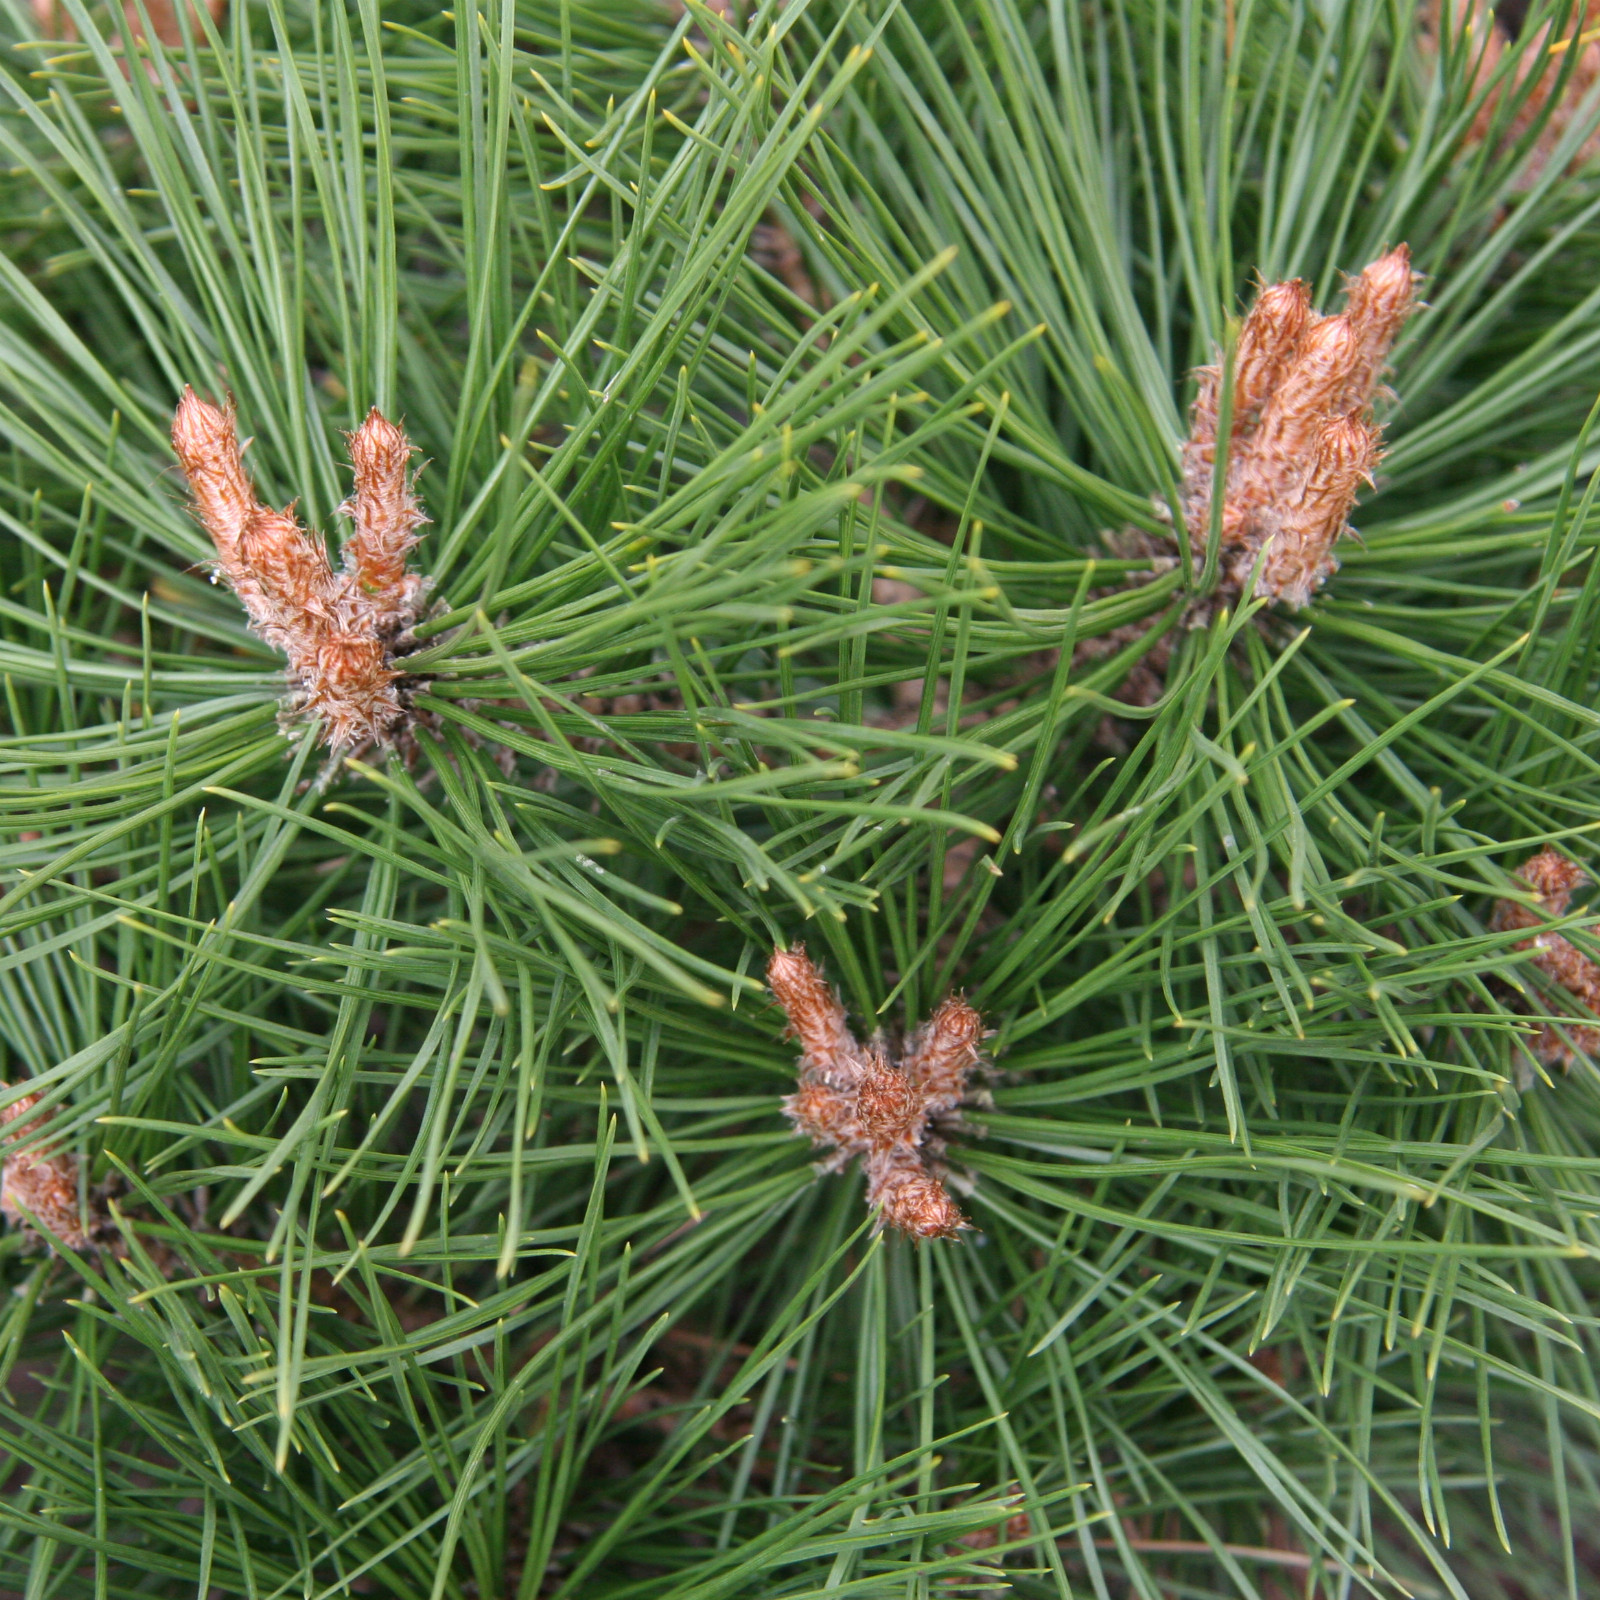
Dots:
pixel 943 1053
pixel 1265 473
pixel 1299 558
pixel 1313 383
pixel 858 1101
pixel 1552 876
pixel 891 1111
pixel 386 516
pixel 1269 342
pixel 1378 302
pixel 826 1116
pixel 339 630
pixel 816 1018
pixel 348 682
pixel 207 445
pixel 41 1182
pixel 292 572
pixel 910 1198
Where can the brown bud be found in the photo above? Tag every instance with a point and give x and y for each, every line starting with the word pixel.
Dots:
pixel 1378 302
pixel 860 1102
pixel 1299 557
pixel 40 1183
pixel 1316 379
pixel 911 1198
pixel 816 1018
pixel 386 517
pixel 891 1111
pixel 1302 444
pixel 339 630
pixel 292 571
pixel 1552 876
pixel 1269 341
pixel 353 660
pixel 207 445
pixel 826 1116
pixel 1267 472
pixel 943 1053
pixel 349 682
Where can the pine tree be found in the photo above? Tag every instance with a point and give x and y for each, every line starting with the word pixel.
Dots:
pixel 1079 519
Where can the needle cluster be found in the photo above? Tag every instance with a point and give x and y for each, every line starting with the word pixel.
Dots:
pixel 855 1100
pixel 38 1184
pixel 341 630
pixel 1303 439
pixel 1552 877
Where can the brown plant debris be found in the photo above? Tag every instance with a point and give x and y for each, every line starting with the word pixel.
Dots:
pixel 1482 35
pixel 1016 1527
pixel 39 1183
pixel 773 248
pixel 341 630
pixel 1552 877
pixel 858 1100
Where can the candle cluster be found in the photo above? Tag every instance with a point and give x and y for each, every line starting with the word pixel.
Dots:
pixel 1301 443
pixel 341 629
pixel 857 1100
pixel 1303 439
